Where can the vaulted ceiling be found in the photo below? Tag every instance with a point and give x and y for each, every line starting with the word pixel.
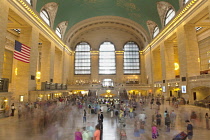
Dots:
pixel 74 11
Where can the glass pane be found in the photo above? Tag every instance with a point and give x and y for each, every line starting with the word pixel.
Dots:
pixel 45 16
pixel 170 14
pixel 82 59
pixel 131 58
pixel 107 64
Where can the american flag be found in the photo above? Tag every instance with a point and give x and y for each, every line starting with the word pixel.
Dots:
pixel 22 52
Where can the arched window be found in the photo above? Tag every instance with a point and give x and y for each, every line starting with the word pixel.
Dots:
pixel 58 32
pixel 156 31
pixel 82 59
pixel 45 16
pixel 186 1
pixel 107 64
pixel 29 1
pixel 131 58
pixel 170 14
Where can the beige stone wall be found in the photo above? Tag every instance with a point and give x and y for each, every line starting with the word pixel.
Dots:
pixel 4 10
pixel 204 52
pixel 58 66
pixel 148 68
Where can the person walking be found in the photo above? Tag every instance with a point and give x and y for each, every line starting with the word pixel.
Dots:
pixel 167 123
pixel 172 118
pixel 154 131
pixel 207 121
pixel 189 130
pixel 100 119
pixel 84 116
pixel 13 109
pixel 158 119
pixel 85 135
pixel 78 134
pixel 97 133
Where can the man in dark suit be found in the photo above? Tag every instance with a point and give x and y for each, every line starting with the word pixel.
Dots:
pixel 100 119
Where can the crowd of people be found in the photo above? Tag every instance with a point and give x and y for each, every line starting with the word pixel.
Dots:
pixel 50 114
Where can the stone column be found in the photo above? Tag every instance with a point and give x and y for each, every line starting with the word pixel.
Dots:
pixel 157 66
pixel 33 58
pixel 66 63
pixel 188 51
pixel 95 65
pixel 47 61
pixel 167 60
pixel 142 68
pixel 58 66
pixel 119 67
pixel 71 69
pixel 4 11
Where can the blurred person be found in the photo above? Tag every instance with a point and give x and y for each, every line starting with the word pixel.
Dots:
pixel 151 103
pixel 78 134
pixel 173 118
pixel 154 131
pixel 131 112
pixel 90 130
pixel 193 117
pixel 136 129
pixel 19 111
pixel 142 117
pixel 6 111
pixel 189 130
pixel 167 123
pixel 13 109
pixel 85 135
pixel 84 116
pixel 158 119
pixel 97 133
pixel 100 119
pixel 207 121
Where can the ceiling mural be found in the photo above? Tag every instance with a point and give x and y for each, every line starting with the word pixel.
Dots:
pixel 74 11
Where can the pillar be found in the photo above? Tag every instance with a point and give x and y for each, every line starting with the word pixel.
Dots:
pixel 4 11
pixel 188 51
pixel 157 67
pixel 119 67
pixel 47 61
pixel 95 65
pixel 167 60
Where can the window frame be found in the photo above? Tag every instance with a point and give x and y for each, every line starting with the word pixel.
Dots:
pixel 82 67
pixel 135 59
pixel 156 31
pixel 110 57
pixel 58 32
pixel 45 16
pixel 168 16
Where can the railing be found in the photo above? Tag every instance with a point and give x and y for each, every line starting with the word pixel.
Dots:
pixel 199 77
pixel 53 86
pixel 173 80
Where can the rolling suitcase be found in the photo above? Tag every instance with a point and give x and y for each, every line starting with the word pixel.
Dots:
pixel 181 136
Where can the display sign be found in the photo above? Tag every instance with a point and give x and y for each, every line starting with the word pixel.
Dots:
pixel 164 88
pixel 184 89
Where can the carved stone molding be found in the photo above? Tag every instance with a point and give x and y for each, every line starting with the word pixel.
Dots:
pixel 63 25
pixel 151 25
pixel 107 21
pixel 162 8
pixel 51 8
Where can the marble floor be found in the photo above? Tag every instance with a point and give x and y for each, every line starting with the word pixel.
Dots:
pixel 13 128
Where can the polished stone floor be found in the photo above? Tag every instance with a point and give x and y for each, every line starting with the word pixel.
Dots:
pixel 12 128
